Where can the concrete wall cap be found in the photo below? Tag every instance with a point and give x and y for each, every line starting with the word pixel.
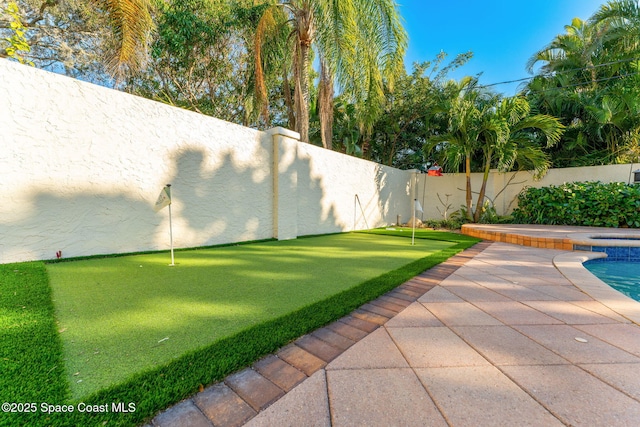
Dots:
pixel 284 132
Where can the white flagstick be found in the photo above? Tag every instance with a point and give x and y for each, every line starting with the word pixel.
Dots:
pixel 416 207
pixel 171 236
pixel 164 199
pixel 413 234
pixel 413 220
pixel 170 225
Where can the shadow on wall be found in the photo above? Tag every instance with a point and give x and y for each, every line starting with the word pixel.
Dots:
pixel 224 203
pixel 317 213
pixel 221 204
pixel 388 201
pixel 234 203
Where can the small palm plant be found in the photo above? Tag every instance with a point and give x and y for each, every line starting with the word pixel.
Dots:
pixel 502 130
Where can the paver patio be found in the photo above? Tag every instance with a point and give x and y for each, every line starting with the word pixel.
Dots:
pixel 495 336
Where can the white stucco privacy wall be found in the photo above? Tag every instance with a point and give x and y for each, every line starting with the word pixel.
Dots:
pixel 338 192
pixel 503 188
pixel 82 166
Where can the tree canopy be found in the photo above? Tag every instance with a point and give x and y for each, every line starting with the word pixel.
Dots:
pixel 589 78
pixel 358 44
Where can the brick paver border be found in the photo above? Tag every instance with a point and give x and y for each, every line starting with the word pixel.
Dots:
pixel 562 244
pixel 242 395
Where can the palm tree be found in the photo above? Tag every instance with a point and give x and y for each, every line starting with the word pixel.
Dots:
pixel 571 56
pixel 359 44
pixel 590 79
pixel 511 138
pixel 467 111
pixel 620 20
pixel 614 124
pixel 503 131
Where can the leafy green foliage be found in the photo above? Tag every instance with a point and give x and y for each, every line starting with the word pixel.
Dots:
pixel 16 45
pixel 589 79
pixel 487 214
pixel 201 59
pixel 452 223
pixel 580 203
pixel 69 37
pixel 414 112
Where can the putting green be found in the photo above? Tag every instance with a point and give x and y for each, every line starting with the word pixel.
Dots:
pixel 122 315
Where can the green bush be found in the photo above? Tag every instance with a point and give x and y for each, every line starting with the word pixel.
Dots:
pixel 447 224
pixel 593 204
pixel 488 215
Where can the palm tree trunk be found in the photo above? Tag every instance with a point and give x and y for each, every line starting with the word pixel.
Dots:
pixel 291 112
pixel 302 94
pixel 467 172
pixel 483 189
pixel 366 146
pixel 325 100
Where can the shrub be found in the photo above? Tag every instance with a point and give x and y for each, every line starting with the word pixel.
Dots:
pixel 447 224
pixel 593 204
pixel 488 215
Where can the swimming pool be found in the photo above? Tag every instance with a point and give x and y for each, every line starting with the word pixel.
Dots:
pixel 623 276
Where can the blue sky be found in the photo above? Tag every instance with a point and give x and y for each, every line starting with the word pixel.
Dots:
pixel 503 34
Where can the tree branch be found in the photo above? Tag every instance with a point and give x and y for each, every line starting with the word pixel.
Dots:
pixel 40 16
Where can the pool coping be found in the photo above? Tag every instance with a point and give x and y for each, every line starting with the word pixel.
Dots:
pixel 606 239
pixel 484 232
pixel 570 264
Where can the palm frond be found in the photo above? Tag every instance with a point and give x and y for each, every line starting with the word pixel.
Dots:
pixel 132 25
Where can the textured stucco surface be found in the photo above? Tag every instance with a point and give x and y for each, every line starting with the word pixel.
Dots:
pixel 82 166
pixel 503 188
pixel 285 183
pixel 328 183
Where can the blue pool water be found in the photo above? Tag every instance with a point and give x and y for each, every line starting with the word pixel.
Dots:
pixel 623 276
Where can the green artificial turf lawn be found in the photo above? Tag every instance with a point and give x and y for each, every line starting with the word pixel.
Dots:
pixel 31 368
pixel 124 315
pixel 422 233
